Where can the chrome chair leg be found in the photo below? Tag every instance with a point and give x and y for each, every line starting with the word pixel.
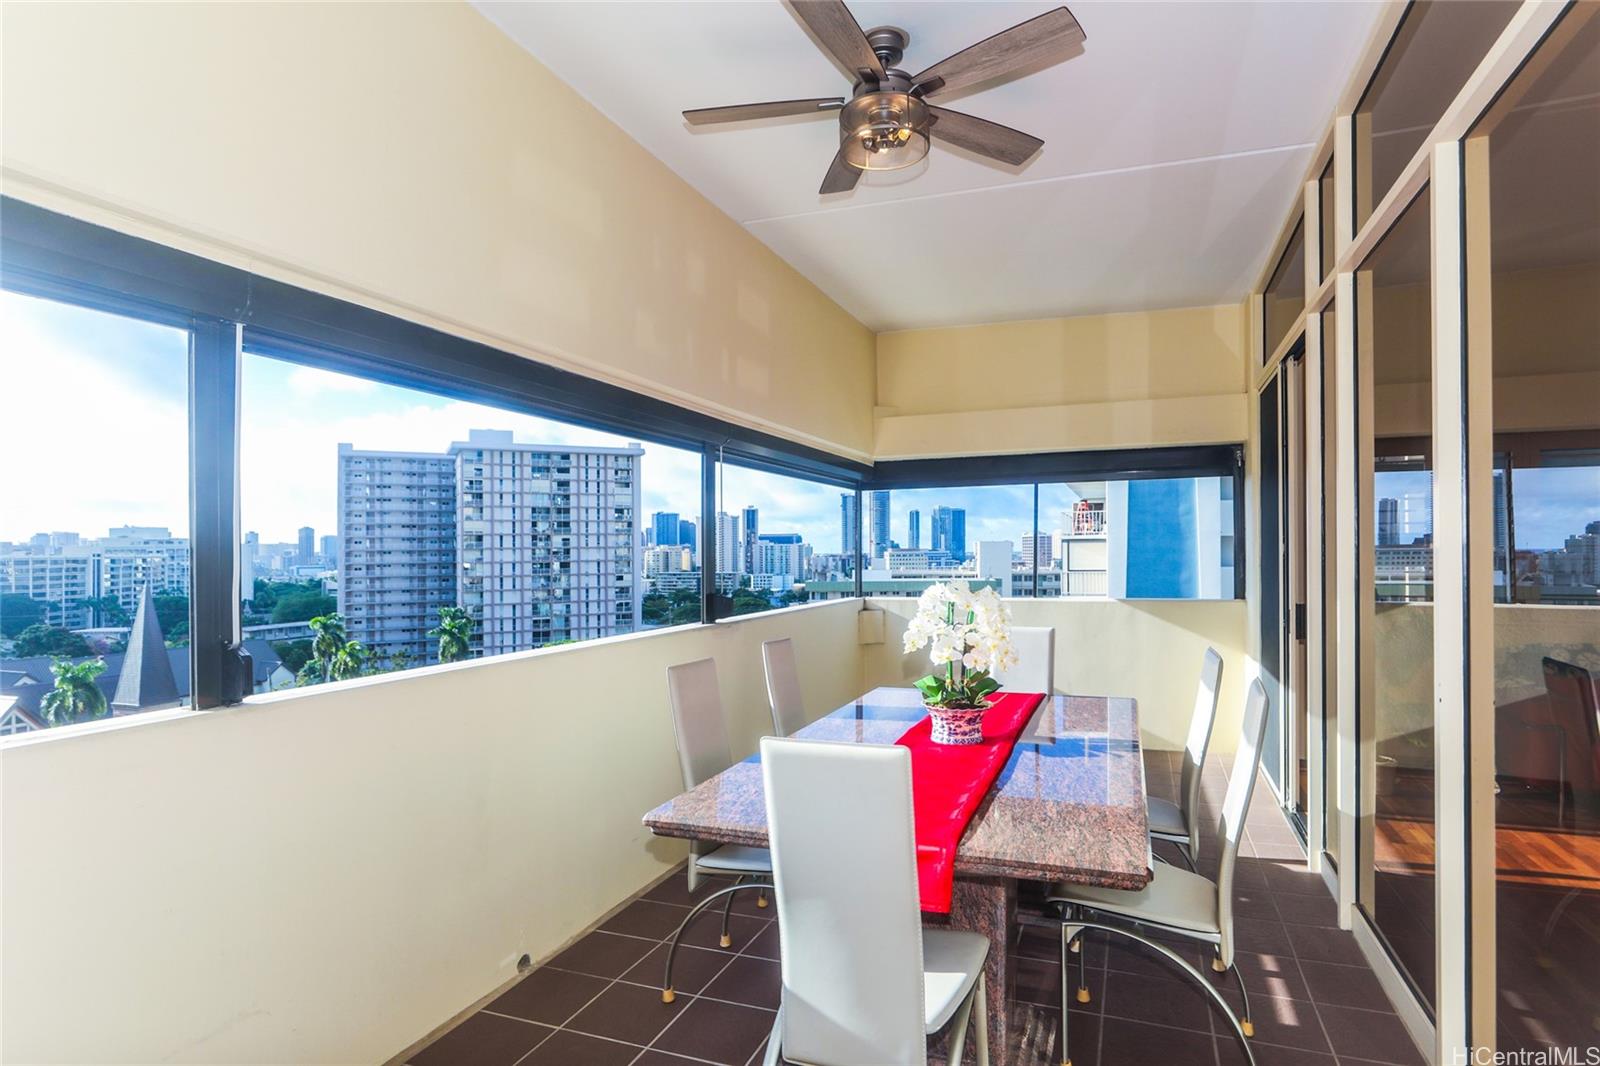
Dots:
pixel 727 912
pixel 1246 1026
pixel 1178 961
pixel 983 1021
pixel 1066 1057
pixel 667 992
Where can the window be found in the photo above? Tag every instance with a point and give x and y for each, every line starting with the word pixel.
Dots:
pixel 1538 154
pixel 1285 296
pixel 1393 349
pixel 915 537
pixel 1098 535
pixel 1438 44
pixel 781 540
pixel 94 533
pixel 1327 240
pixel 387 527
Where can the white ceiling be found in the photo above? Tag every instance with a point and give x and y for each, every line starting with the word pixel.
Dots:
pixel 1174 145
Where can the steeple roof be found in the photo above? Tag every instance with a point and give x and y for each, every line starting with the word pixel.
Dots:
pixel 146 681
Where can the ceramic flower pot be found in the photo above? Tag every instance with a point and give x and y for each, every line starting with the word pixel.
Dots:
pixel 957 725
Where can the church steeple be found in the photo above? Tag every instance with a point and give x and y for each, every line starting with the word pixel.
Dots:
pixel 146 680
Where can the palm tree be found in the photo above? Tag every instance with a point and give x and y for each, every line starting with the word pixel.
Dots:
pixel 75 695
pixel 334 656
pixel 454 632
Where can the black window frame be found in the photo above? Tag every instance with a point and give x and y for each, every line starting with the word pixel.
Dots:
pixel 227 310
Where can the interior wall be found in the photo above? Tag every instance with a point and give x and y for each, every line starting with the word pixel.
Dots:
pixel 1148 649
pixel 410 157
pixel 324 876
pixel 1098 381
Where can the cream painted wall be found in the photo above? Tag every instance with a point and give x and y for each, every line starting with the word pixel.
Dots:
pixel 1099 381
pixel 412 158
pixel 325 876
pixel 1150 650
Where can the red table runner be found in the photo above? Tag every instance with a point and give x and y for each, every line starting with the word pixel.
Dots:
pixel 949 781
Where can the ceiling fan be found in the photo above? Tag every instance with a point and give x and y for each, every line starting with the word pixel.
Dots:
pixel 886 123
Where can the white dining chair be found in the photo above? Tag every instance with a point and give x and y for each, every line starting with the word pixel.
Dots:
pixel 1178 822
pixel 1036 661
pixel 863 982
pixel 703 753
pixel 783 687
pixel 1176 901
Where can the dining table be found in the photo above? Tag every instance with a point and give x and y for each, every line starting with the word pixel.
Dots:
pixel 1068 805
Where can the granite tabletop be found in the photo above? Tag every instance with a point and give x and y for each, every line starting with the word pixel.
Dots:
pixel 1069 805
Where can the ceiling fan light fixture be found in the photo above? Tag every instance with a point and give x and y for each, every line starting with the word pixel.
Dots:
pixel 884 131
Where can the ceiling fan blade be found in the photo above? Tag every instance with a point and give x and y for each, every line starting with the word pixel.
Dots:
pixel 1020 46
pixel 840 36
pixel 702 116
pixel 982 136
pixel 841 176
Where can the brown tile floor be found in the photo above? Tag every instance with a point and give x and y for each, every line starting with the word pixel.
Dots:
pixel 1314 999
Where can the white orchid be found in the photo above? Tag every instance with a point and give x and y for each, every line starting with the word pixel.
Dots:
pixel 969 634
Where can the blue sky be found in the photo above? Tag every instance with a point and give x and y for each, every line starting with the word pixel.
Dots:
pixel 95 436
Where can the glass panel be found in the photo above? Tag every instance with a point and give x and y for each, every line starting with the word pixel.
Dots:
pixel 979 534
pixel 776 538
pixel 1326 206
pixel 1285 297
pixel 1393 335
pixel 1544 248
pixel 1438 44
pixel 457 529
pixel 1269 409
pixel 94 531
pixel 1155 538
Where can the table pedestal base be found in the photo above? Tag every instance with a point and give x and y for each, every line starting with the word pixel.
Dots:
pixel 987 906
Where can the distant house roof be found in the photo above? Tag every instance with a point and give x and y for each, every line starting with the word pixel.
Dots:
pixel 29 679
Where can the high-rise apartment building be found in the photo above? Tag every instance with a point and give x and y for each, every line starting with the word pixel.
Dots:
pixel 547 540
pixel 249 560
pixel 306 549
pixel 914 530
pixel 1036 545
pixel 687 538
pixel 665 527
pixel 783 554
pixel 849 523
pixel 878 510
pixel 950 531
pixel 397 528
pixel 730 553
pixel 330 551
pixel 1388 521
pixel 61 571
pixel 749 534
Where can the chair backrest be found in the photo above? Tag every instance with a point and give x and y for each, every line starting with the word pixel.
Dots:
pixel 844 869
pixel 1236 806
pixel 783 687
pixel 1036 661
pixel 703 749
pixel 1201 721
pixel 1571 693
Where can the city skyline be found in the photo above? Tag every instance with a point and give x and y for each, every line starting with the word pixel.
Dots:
pixel 294 417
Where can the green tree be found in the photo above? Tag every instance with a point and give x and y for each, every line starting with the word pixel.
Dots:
pixel 41 639
pixel 107 611
pixel 75 696
pixel 454 633
pixel 302 604
pixel 400 659
pixel 790 597
pixel 293 653
pixel 18 611
pixel 334 656
pixel 172 611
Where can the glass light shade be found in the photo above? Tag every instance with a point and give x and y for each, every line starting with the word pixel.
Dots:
pixel 884 131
